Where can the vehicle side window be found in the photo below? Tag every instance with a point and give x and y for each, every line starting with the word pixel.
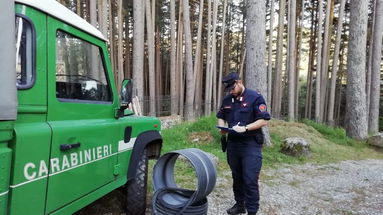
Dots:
pixel 80 73
pixel 25 59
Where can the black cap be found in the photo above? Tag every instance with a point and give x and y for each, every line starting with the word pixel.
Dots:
pixel 229 80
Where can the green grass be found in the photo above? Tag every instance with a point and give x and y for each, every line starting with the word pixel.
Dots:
pixel 327 145
pixel 178 137
pixel 336 135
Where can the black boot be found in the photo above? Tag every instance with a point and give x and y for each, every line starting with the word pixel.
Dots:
pixel 251 213
pixel 238 208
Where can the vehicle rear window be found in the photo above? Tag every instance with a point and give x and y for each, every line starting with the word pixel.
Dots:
pixel 25 58
pixel 80 73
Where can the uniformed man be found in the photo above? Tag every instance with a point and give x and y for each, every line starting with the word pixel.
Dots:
pixel 245 112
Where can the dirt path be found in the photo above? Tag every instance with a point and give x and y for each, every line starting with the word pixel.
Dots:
pixel 345 188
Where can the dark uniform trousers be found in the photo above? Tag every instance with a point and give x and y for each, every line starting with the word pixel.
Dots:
pixel 244 151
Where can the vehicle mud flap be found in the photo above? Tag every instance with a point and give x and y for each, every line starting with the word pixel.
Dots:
pixel 142 141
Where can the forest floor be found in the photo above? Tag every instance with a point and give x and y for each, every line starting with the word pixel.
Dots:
pixel 341 177
pixel 343 188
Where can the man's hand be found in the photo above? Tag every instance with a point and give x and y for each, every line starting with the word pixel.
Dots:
pixel 222 123
pixel 239 129
pixel 223 132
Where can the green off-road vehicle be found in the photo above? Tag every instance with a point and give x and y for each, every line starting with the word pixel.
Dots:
pixel 66 136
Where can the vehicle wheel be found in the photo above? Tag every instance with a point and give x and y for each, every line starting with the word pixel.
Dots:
pixel 136 188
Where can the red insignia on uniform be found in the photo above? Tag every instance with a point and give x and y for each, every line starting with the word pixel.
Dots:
pixel 262 108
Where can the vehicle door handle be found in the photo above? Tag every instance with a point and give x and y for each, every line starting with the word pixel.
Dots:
pixel 66 147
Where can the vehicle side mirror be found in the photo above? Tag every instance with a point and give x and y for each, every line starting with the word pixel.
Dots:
pixel 126 92
pixel 126 95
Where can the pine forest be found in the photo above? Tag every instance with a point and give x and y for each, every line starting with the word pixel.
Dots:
pixel 311 59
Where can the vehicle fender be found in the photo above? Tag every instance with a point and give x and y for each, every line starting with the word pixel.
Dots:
pixel 151 139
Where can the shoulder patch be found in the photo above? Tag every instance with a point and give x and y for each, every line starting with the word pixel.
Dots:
pixel 262 108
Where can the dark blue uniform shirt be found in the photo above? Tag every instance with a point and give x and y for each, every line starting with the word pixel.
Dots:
pixel 243 110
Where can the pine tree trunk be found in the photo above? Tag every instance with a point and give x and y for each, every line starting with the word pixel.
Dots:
pixel 208 80
pixel 270 53
pixel 103 17
pixel 128 60
pixel 325 57
pixel 256 72
pixel 93 64
pixel 198 56
pixel 356 117
pixel 127 63
pixel 319 66
pixel 376 68
pixel 112 43
pixel 159 81
pixel 151 59
pixel 222 53
pixel 213 70
pixel 120 48
pixel 241 68
pixel 299 58
pixel 78 8
pixel 173 83
pixel 309 93
pixel 228 41
pixel 330 115
pixel 198 90
pixel 339 100
pixel 189 63
pixel 138 48
pixel 277 97
pixel 292 59
pixel 180 67
pixel 370 42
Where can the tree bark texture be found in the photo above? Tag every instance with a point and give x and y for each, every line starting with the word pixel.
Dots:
pixel 325 61
pixel 138 48
pixel 309 92
pixel 256 72
pixel 112 32
pixel 189 62
pixel 208 81
pixel 198 64
pixel 270 53
pixel 222 53
pixel 370 42
pixel 292 60
pixel 335 67
pixel 120 48
pixel 213 70
pixel 356 117
pixel 173 82
pixel 299 58
pixel 376 68
pixel 159 80
pixel 318 67
pixel 277 97
pixel 180 60
pixel 151 58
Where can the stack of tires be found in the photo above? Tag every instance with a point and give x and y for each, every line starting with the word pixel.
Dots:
pixel 168 198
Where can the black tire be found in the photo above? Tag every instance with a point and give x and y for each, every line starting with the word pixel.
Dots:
pixel 136 188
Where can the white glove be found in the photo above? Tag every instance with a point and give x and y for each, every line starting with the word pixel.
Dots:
pixel 239 129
